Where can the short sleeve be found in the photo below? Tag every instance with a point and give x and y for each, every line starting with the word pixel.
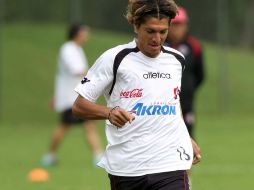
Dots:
pixel 74 60
pixel 98 79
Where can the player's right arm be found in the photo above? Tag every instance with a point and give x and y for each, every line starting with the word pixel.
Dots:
pixel 97 81
pixel 86 109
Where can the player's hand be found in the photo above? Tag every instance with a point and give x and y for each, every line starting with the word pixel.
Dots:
pixel 196 152
pixel 119 117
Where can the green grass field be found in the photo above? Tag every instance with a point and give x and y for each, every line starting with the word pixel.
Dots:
pixel 29 55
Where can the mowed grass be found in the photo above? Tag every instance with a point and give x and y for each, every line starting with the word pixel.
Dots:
pixel 30 53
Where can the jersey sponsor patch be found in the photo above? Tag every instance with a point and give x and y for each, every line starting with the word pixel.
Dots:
pixel 141 110
pixel 135 93
pixel 156 75
pixel 176 92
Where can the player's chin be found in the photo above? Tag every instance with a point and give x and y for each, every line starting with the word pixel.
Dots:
pixel 154 53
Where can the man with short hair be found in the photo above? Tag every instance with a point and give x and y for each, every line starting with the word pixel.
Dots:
pixel 149 147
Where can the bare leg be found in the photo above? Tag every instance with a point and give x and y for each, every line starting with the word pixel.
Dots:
pixel 58 136
pixel 92 137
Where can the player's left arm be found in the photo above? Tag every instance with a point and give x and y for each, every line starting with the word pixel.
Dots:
pixel 196 152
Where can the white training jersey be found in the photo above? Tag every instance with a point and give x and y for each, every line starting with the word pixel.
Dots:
pixel 72 63
pixel 157 140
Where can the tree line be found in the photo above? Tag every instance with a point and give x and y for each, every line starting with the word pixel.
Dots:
pixel 218 20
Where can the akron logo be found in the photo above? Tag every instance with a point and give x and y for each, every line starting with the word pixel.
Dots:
pixel 85 80
pixel 140 109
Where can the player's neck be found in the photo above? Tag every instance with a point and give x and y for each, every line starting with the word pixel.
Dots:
pixel 78 43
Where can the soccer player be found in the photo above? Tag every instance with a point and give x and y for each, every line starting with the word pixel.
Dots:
pixel 72 65
pixel 179 38
pixel 149 146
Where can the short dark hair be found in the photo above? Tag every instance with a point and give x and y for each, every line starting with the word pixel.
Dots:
pixel 139 10
pixel 74 29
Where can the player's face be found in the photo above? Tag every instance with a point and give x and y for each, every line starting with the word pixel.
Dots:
pixel 151 35
pixel 177 32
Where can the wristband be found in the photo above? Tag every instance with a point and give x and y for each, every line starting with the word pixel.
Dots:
pixel 111 110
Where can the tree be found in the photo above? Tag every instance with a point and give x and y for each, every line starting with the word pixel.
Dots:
pixel 248 29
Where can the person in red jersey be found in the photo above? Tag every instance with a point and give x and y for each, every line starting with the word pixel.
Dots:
pixel 180 39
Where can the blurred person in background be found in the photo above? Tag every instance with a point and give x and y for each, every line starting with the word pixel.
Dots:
pixel 179 38
pixel 72 66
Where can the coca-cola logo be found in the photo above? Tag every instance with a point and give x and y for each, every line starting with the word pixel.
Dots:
pixel 135 93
